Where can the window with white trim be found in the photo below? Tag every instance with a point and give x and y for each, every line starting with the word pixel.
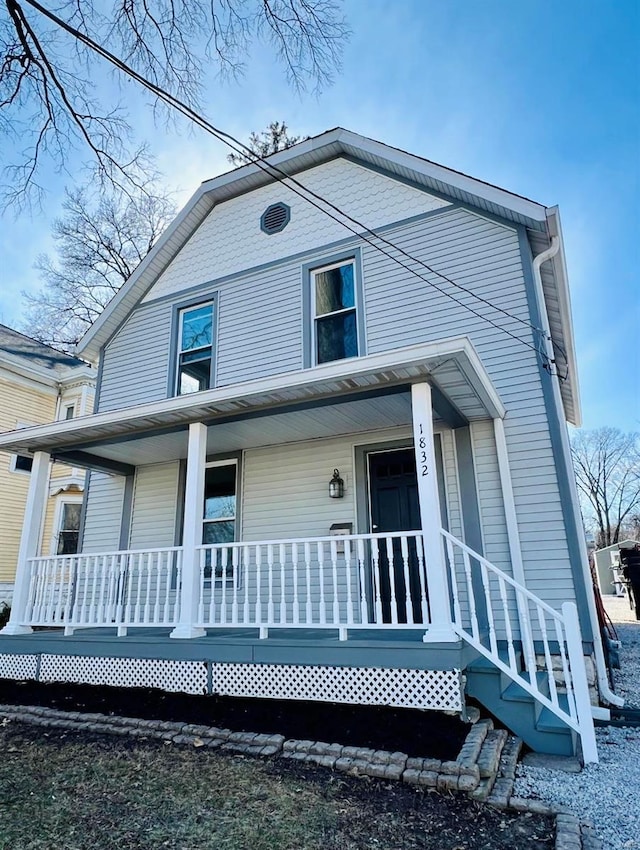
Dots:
pixel 68 532
pixel 219 510
pixel 334 310
pixel 195 348
pixel 21 463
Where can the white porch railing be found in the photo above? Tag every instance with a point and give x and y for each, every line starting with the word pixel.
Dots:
pixel 488 602
pixel 357 581
pixel 133 588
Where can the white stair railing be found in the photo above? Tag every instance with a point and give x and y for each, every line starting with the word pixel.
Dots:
pixel 126 588
pixel 487 602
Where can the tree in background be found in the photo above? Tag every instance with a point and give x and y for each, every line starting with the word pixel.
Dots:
pixel 275 138
pixel 607 467
pixel 51 106
pixel 100 239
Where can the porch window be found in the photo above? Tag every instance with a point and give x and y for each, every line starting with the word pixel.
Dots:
pixel 195 349
pixel 335 325
pixel 69 528
pixel 219 523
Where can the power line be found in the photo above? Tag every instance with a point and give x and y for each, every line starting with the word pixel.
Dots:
pixel 281 176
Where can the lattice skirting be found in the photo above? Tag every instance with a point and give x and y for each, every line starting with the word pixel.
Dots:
pixel 440 690
pixel 13 666
pixel 436 689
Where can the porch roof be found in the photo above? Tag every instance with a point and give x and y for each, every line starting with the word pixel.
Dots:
pixel 463 392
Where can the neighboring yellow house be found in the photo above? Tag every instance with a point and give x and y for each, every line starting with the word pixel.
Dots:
pixel 38 384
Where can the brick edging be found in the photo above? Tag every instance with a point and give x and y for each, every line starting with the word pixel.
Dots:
pixel 484 769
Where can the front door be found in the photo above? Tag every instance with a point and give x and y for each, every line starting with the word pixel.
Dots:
pixel 393 489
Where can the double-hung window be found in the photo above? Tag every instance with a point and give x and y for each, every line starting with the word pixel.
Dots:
pixel 195 349
pixel 219 517
pixel 334 311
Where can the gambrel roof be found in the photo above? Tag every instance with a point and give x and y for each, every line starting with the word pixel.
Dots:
pixel 541 224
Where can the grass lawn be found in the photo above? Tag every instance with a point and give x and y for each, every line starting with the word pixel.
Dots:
pixel 73 791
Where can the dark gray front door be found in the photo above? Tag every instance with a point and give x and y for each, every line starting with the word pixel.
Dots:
pixel 393 491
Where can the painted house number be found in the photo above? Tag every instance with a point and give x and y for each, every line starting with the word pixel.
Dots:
pixel 422 445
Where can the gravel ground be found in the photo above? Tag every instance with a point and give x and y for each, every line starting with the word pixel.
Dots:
pixel 608 794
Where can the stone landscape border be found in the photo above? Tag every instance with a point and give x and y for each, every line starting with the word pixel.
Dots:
pixel 484 769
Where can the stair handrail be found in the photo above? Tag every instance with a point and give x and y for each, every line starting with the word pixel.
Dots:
pixel 567 632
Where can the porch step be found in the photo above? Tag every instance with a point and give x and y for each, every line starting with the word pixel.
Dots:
pixel 538 727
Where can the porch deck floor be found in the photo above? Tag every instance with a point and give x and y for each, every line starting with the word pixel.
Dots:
pixel 393 648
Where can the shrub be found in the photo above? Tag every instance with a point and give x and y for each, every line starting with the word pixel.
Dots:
pixel 5 613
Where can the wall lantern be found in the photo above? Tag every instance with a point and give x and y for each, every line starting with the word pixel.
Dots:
pixel 336 485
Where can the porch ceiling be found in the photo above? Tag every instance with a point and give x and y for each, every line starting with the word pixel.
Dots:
pixel 336 398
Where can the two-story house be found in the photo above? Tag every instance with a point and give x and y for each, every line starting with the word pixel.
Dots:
pixel 329 454
pixel 38 384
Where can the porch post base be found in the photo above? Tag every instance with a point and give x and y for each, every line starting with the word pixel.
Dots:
pixel 186 632
pixel 16 629
pixel 439 634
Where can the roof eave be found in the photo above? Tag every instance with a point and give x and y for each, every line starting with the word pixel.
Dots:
pixel 574 417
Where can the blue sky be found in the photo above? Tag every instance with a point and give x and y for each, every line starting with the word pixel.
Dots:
pixel 541 98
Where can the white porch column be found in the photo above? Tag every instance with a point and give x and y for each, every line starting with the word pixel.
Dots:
pixel 192 533
pixel 440 627
pixel 29 541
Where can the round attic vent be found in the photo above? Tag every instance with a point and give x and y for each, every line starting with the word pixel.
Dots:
pixel 275 218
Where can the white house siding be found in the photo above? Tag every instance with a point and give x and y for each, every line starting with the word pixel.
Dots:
pixel 260 329
pixel 230 238
pixel 483 257
pixel 103 513
pixel 154 509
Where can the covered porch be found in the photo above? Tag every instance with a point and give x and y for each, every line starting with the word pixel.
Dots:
pixel 363 574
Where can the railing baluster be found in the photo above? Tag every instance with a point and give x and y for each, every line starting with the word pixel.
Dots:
pixel 422 572
pixel 234 575
pixel 91 618
pixel 348 564
pixel 270 607
pixel 246 572
pixel 158 592
pixel 147 598
pixel 486 586
pixel 258 585
pixel 391 567
pixel 334 575
pixel 377 593
pixel 84 610
pixel 571 698
pixel 224 562
pixel 129 582
pixel 294 571
pixel 553 690
pixel 307 563
pixel 176 603
pixel 471 596
pixel 507 624
pixel 320 558
pixel 457 611
pixel 282 557
pixel 364 608
pixel 526 634
pixel 408 599
pixel 167 588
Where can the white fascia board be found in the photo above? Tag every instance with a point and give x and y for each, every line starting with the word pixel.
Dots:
pixel 564 302
pixel 307 383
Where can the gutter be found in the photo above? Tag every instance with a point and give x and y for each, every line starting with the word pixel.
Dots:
pixel 601 668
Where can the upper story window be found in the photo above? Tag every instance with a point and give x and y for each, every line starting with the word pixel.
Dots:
pixel 20 463
pixel 195 349
pixel 334 309
pixel 70 411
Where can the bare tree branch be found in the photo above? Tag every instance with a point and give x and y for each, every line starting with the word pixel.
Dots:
pixel 49 105
pixel 607 467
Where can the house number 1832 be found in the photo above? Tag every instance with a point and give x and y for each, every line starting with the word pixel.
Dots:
pixel 422 445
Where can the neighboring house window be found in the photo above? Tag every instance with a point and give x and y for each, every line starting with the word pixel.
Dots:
pixel 334 311
pixel 219 513
pixel 69 528
pixel 21 463
pixel 195 349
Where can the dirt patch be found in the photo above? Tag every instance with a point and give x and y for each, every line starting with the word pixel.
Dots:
pixel 417 733
pixel 77 791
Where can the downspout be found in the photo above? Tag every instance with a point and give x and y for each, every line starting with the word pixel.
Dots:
pixel 601 667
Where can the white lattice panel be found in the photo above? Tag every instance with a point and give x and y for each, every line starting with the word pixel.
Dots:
pixel 434 689
pixel 188 677
pixel 13 666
